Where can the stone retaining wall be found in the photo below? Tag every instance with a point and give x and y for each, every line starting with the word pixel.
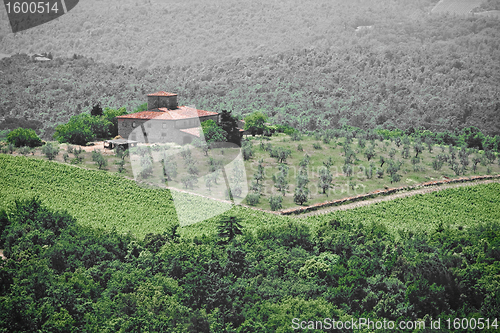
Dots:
pixel 388 191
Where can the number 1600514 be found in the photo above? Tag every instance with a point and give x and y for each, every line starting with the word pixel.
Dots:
pixel 33 7
pixel 472 323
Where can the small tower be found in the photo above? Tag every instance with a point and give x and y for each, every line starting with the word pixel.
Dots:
pixel 162 99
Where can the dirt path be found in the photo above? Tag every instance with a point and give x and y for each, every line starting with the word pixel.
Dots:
pixel 392 197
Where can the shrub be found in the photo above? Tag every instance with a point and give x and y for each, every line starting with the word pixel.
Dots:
pixel 275 201
pixel 121 165
pixel 24 137
pixel 50 151
pixel 300 195
pixel 253 199
pixel 380 173
pixel 437 164
pixel 11 148
pixel 296 136
pixel 316 146
pixel 99 159
pixel 25 150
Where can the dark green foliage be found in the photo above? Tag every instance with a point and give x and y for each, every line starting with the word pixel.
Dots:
pixel 96 110
pixel 472 137
pixel 121 165
pixel 79 129
pixel 24 137
pixel 61 276
pixel 255 123
pixel 84 128
pixel 229 227
pixel 398 141
pixel 246 150
pixel 213 132
pixel 229 124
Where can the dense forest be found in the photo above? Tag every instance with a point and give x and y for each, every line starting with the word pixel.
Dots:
pixel 62 277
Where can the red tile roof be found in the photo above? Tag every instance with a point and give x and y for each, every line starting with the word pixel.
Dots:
pixel 182 112
pixel 162 93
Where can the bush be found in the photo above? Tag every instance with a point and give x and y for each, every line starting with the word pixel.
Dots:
pixel 99 159
pixel 25 150
pixel 84 128
pixel 50 151
pixel 275 201
pixel 253 199
pixel 24 137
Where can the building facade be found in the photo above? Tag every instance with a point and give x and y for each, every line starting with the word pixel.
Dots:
pixel 164 121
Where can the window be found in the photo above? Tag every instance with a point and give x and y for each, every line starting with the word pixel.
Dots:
pixel 133 124
pixel 164 125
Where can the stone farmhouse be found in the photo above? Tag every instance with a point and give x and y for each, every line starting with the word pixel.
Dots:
pixel 164 121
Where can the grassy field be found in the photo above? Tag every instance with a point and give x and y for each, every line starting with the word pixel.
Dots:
pixel 97 198
pixel 101 199
pixel 454 208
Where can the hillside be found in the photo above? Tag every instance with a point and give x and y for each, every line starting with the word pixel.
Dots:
pixel 410 260
pixel 459 7
pixel 441 73
pixel 144 33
